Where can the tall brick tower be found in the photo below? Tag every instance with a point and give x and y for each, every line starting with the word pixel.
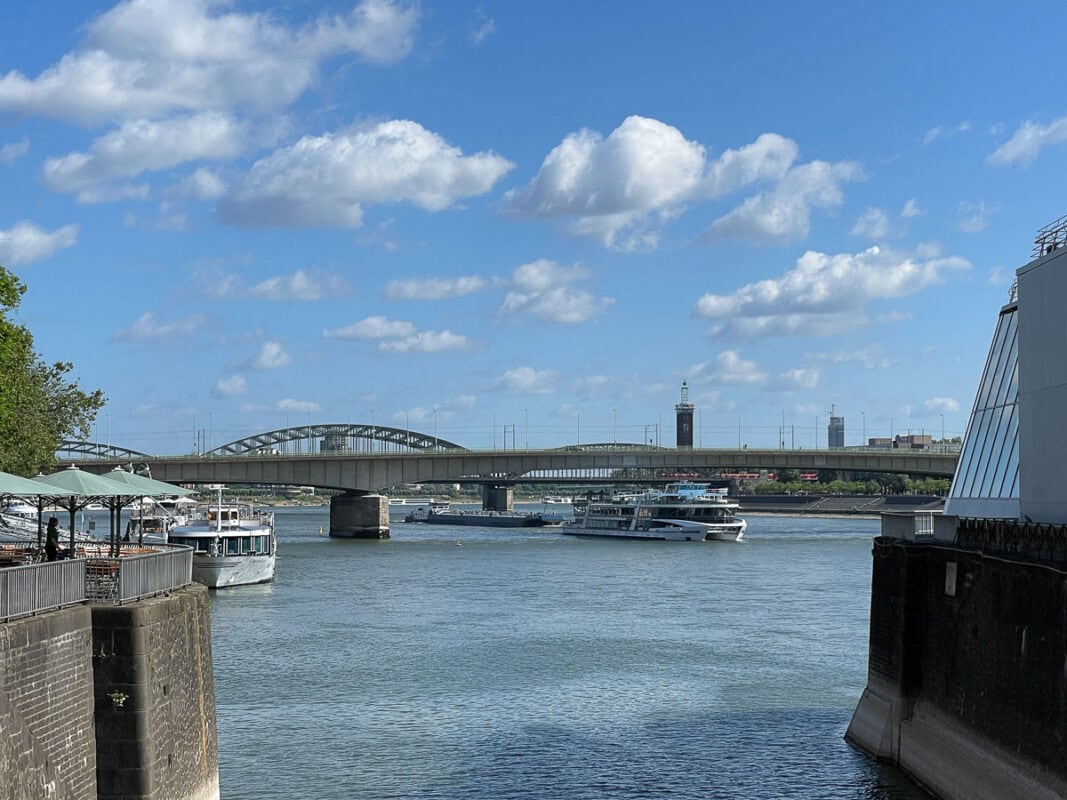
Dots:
pixel 684 415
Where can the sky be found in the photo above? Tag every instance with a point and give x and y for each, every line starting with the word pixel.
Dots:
pixel 525 224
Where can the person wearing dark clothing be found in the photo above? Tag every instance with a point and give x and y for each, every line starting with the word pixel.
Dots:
pixel 51 541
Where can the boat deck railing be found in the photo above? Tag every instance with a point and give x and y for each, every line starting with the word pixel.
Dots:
pixel 28 586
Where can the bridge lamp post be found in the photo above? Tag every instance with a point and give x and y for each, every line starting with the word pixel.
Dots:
pixel 942 429
pixel 864 415
pixel 579 428
pixel 435 428
pixel 526 428
pixel 614 439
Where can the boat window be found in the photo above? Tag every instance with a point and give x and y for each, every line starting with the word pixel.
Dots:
pixel 233 546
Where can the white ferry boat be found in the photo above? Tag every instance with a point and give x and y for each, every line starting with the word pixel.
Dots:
pixel 233 545
pixel 687 512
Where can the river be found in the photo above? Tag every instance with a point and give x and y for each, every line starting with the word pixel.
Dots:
pixel 479 664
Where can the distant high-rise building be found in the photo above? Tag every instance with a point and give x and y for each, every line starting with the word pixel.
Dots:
pixel 684 415
pixel 835 431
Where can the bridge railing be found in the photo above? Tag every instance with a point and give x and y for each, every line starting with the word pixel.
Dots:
pixel 35 588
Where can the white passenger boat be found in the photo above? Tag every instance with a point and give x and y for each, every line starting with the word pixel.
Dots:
pixel 233 545
pixel 681 512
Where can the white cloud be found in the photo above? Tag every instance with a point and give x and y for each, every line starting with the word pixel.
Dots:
pixel 13 151
pixel 376 327
pixel 615 189
pixel 427 342
pixel 1026 143
pixel 297 406
pixel 143 145
pixel 202 184
pixel 769 158
pixel 25 242
pixel 783 214
pixel 527 380
pixel 545 290
pixel 306 285
pixel 943 405
pixel 911 209
pixel 434 288
pixel 944 132
pixel 148 329
pixel 484 27
pixel 271 355
pixel 230 387
pixel 799 378
pixel 872 224
pixel 824 294
pixel 729 368
pixel 325 181
pixel 870 357
pixel 974 217
pixel 151 58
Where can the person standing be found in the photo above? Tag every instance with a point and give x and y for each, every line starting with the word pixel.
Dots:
pixel 51 541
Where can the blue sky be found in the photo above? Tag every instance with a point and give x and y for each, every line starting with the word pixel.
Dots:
pixel 528 221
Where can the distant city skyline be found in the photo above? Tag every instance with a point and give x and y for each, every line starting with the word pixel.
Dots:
pixel 501 221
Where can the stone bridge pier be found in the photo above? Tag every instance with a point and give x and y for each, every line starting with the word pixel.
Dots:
pixel 498 497
pixel 359 516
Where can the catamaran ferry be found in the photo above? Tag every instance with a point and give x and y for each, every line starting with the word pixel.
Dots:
pixel 686 512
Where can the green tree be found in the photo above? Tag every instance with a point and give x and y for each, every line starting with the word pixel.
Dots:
pixel 39 406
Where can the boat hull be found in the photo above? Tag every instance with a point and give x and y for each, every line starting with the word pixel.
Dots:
pixel 220 572
pixel 499 520
pixel 659 535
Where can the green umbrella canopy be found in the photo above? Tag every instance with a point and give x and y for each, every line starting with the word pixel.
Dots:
pixel 78 483
pixel 14 486
pixel 143 486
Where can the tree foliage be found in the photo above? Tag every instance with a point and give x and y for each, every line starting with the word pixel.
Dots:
pixel 39 405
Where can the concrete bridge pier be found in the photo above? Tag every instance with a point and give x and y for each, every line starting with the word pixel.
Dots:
pixel 359 516
pixel 498 497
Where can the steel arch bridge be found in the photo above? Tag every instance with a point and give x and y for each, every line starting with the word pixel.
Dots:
pixel 335 438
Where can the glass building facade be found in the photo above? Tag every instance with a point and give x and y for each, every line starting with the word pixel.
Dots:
pixel 987 475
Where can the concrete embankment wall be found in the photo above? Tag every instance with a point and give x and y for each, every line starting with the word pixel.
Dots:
pixel 967 676
pixel 112 702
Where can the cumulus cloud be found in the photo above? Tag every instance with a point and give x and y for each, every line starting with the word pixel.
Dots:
pixel 400 336
pixel 435 288
pixel 546 290
pixel 25 242
pixel 230 387
pixel 911 209
pixel 305 285
pixel 615 189
pixel 1027 142
pixel 769 158
pixel 729 368
pixel 427 342
pixel 325 181
pixel 148 329
pixel 823 294
pixel 484 26
pixel 527 380
pixel 783 214
pixel 376 327
pixel 143 145
pixel 154 58
pixel 872 224
pixel 942 405
pixel 870 357
pixel 298 406
pixel 271 355
pixel 799 378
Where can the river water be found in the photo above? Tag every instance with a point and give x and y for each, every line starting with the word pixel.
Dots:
pixel 480 664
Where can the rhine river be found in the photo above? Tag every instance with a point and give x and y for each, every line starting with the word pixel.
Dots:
pixel 478 664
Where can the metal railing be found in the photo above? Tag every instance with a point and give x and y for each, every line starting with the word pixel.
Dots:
pixel 138 574
pixel 142 572
pixel 34 588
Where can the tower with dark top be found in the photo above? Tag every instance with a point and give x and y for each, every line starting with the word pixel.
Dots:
pixel 835 432
pixel 684 415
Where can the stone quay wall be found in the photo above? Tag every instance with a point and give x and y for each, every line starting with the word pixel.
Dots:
pixel 967 671
pixel 113 702
pixel 47 736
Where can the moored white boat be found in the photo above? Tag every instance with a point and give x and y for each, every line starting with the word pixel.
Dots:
pixel 233 545
pixel 681 512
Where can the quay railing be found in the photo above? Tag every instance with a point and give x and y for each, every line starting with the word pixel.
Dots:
pixel 35 588
pixel 140 572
